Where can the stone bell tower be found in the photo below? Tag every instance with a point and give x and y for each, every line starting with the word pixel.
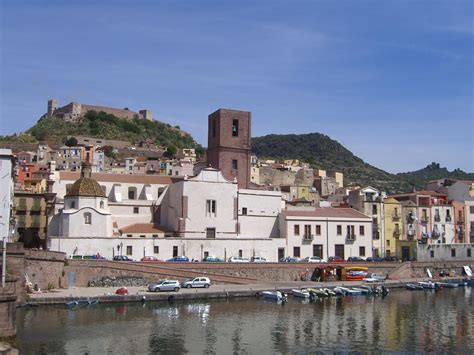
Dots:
pixel 229 143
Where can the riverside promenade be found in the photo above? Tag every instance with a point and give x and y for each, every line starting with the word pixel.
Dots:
pixel 107 294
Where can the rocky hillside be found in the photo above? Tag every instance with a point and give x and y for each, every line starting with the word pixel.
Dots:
pixel 323 152
pixel 107 126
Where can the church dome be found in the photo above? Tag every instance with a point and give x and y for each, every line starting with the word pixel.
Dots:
pixel 85 187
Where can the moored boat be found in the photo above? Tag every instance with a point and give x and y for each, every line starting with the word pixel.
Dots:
pixel 275 296
pixel 429 284
pixel 303 293
pixel 447 284
pixel 413 287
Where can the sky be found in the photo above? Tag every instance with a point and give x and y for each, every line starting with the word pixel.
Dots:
pixel 390 80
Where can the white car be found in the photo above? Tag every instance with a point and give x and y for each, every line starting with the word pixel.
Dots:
pixel 259 259
pixel 197 282
pixel 374 277
pixel 314 259
pixel 238 259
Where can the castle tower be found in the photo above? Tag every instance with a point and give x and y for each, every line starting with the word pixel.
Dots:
pixel 228 144
pixel 52 106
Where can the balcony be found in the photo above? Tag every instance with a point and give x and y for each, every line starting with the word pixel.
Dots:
pixel 460 220
pixel 395 216
pixel 448 219
pixel 436 234
pixel 410 218
pixel 437 218
pixel 375 235
pixel 21 207
pixel 396 234
pixel 308 237
pixel 350 237
pixel 425 219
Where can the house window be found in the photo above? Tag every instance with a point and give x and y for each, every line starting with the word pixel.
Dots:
pixel 210 232
pixel 361 251
pixel 213 128
pixel 160 191
pixel 235 128
pixel 175 250
pixel 388 243
pixel 296 252
pixel 297 229
pixel 318 229
pixel 102 204
pixel 244 211
pixel 234 164
pixel 156 249
pixel 471 209
pixel 132 191
pixel 339 229
pixel 73 204
pixel 211 208
pixel 87 218
pixel 361 230
pixel 129 235
pixel 468 253
pixel 318 250
pixel 374 209
pixel 129 250
pixel 240 253
pixel 307 230
pixel 136 210
pixel 453 253
pixel 155 236
pixel 142 236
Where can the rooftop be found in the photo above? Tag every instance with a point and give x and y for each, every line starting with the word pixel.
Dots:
pixel 146 228
pixel 326 212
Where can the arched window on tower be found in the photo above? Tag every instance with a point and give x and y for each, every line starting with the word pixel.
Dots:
pixel 102 205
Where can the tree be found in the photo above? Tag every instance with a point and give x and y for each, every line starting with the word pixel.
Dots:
pixel 171 150
pixel 71 142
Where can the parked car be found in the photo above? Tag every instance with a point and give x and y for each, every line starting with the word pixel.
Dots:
pixel 213 259
pixel 259 259
pixel 336 259
pixel 391 258
pixel 355 259
pixel 164 285
pixel 238 259
pixel 178 259
pixel 290 259
pixel 150 259
pixel 374 277
pixel 197 282
pixel 122 258
pixel 375 259
pixel 314 259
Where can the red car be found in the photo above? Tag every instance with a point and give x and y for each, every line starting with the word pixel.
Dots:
pixel 335 259
pixel 151 259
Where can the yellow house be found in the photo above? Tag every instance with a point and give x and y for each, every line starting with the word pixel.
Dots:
pixel 393 225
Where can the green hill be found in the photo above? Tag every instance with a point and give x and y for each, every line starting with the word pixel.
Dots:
pixel 106 126
pixel 323 152
pixel 433 172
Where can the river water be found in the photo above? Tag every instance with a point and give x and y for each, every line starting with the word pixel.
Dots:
pixel 405 321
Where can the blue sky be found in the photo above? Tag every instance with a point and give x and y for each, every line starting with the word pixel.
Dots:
pixel 390 80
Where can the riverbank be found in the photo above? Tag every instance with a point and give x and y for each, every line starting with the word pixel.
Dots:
pixel 140 294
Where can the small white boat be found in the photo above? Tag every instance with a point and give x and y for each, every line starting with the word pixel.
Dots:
pixel 275 296
pixel 429 284
pixel 303 293
pixel 329 293
pixel 363 290
pixel 348 291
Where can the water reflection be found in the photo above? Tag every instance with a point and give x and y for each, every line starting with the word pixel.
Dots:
pixel 402 322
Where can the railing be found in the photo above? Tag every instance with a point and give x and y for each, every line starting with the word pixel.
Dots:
pixel 410 218
pixel 435 234
pixel 448 218
pixel 395 216
pixel 350 237
pixel 437 218
pixel 396 234
pixel 425 219
pixel 460 220
pixel 308 237
pixel 21 207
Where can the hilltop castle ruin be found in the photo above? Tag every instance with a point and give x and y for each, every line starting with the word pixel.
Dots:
pixel 73 111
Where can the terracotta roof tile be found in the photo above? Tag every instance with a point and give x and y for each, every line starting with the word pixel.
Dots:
pixel 326 212
pixel 125 178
